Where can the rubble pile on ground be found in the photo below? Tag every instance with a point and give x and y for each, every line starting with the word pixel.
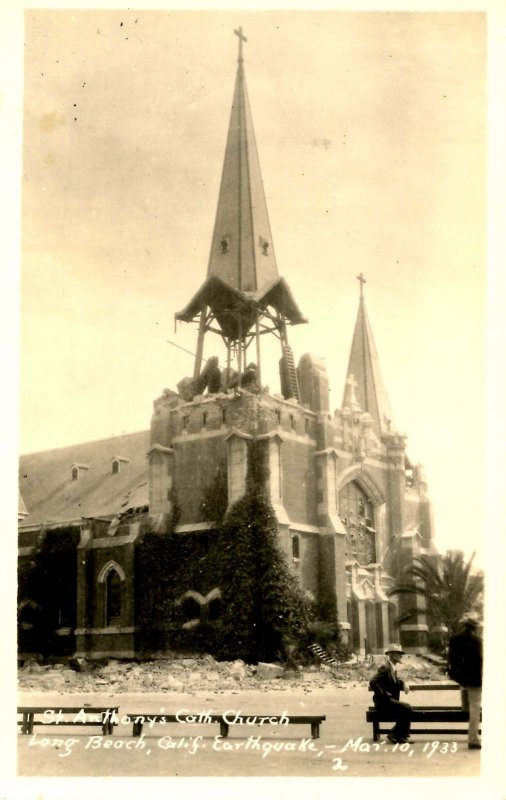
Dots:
pixel 413 669
pixel 190 675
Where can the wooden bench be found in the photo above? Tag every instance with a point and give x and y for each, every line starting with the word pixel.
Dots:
pixel 58 716
pixel 434 686
pixel 424 714
pixel 139 720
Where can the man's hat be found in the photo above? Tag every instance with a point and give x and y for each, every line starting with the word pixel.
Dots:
pixel 470 619
pixel 394 648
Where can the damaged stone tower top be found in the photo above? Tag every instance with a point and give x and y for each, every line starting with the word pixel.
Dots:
pixel 243 297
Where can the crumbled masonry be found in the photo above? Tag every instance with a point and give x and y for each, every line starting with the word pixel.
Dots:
pixel 191 675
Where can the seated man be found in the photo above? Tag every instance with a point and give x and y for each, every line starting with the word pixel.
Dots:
pixel 387 687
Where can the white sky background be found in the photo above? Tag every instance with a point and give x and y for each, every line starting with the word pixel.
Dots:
pixel 371 132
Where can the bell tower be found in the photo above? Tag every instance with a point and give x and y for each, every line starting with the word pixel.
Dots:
pixel 243 297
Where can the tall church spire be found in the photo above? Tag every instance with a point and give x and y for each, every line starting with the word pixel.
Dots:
pixel 243 296
pixel 242 252
pixel 364 384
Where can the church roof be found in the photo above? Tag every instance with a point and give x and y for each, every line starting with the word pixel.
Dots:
pixel 226 303
pixel 51 495
pixel 364 384
pixel 242 270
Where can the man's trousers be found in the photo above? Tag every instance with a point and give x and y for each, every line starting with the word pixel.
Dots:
pixel 471 701
pixel 402 713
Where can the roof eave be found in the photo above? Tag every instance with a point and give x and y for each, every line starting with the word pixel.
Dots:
pixel 204 298
pixel 283 302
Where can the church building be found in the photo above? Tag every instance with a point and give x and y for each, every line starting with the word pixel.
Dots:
pixel 352 510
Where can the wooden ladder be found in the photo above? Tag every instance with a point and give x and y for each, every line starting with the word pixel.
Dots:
pixel 289 380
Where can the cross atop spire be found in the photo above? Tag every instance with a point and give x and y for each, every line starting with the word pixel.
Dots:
pixel 362 280
pixel 238 32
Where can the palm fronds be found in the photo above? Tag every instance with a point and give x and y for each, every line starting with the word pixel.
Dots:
pixel 447 585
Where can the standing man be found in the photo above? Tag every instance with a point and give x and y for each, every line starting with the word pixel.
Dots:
pixel 387 687
pixel 465 666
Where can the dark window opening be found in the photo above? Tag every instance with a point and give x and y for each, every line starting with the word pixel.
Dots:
pixel 306 425
pixel 295 547
pixel 115 467
pixel 225 244
pixel 75 474
pixel 214 609
pixel 204 420
pixel 292 422
pixel 112 598
pixel 278 415
pixel 223 415
pixel 185 422
pixel 264 245
pixel 190 608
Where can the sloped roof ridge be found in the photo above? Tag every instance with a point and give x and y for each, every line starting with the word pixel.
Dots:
pixel 86 442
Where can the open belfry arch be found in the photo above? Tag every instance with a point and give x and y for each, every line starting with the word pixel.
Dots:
pixel 243 297
pixel 351 510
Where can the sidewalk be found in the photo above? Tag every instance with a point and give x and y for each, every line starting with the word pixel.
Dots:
pixel 345 747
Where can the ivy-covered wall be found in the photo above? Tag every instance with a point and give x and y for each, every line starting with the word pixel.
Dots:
pixel 227 591
pixel 47 594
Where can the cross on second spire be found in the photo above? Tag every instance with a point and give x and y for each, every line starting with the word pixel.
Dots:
pixel 362 280
pixel 238 32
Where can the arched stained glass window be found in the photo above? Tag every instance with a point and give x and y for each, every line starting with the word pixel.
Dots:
pixel 357 515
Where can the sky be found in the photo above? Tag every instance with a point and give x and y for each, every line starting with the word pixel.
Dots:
pixel 371 131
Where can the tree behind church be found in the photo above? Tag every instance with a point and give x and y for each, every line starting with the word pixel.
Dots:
pixel 448 586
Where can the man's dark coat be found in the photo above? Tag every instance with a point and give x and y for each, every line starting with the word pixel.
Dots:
pixel 465 658
pixel 385 685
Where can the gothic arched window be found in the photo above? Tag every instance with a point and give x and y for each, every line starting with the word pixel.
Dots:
pixel 357 515
pixel 112 598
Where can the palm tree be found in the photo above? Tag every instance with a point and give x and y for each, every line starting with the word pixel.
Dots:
pixel 448 586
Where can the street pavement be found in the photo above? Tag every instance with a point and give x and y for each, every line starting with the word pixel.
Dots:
pixel 344 749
